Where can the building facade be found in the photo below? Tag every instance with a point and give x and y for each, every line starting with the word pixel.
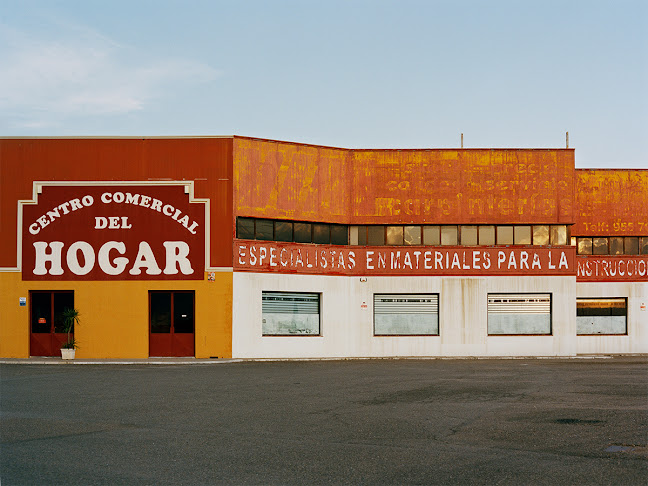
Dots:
pixel 239 247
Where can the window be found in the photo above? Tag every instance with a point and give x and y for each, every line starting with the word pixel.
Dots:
pixel 362 235
pixel 469 235
pixel 643 245
pixel 505 235
pixel 631 245
pixel 432 235
pixel 376 235
pixel 290 314
pixel 339 234
pixel 412 235
pixel 394 235
pixel 245 228
pixel 519 314
pixel 522 235
pixel 449 235
pixel 283 231
pixel 601 316
pixel 599 246
pixel 541 235
pixel 616 246
pixel 584 246
pixel 487 235
pixel 559 235
pixel 302 232
pixel 321 233
pixel 264 229
pixel 406 314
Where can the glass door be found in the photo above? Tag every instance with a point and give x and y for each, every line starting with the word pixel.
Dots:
pixel 47 329
pixel 171 323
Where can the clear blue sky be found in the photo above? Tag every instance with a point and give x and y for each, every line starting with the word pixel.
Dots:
pixel 355 74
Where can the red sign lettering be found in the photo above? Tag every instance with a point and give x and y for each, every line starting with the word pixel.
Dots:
pixel 122 232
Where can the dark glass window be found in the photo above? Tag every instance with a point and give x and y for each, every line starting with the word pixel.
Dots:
pixel 321 233
pixel 160 312
pixel 362 235
pixel 245 228
pixel 616 245
pixel 183 312
pixel 600 246
pixel 376 235
pixel 41 312
pixel 283 231
pixel 264 229
pixel 631 245
pixel 339 234
pixel 643 245
pixel 303 233
pixel 62 301
pixel 47 310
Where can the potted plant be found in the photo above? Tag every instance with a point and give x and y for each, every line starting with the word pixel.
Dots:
pixel 70 319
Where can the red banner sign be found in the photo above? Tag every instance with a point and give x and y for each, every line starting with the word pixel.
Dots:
pixel 120 232
pixel 339 260
pixel 612 268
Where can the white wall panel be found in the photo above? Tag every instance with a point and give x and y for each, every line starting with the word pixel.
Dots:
pixel 347 317
pixel 637 339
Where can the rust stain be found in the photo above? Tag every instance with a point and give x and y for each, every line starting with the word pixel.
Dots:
pixel 611 203
pixel 407 186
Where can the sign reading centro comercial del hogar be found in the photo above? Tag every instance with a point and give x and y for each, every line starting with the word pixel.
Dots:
pixel 339 260
pixel 119 232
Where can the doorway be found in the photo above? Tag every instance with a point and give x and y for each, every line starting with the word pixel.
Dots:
pixel 171 323
pixel 47 329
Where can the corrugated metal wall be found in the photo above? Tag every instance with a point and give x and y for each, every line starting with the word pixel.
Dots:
pixel 291 181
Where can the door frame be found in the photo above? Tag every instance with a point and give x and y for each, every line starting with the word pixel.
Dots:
pixel 166 344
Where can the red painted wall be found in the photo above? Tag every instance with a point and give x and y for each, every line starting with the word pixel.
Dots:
pixel 207 161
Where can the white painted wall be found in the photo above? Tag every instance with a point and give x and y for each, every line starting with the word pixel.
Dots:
pixel 637 339
pixel 347 328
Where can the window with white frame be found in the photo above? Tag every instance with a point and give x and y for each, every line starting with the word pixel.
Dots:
pixel 290 314
pixel 601 316
pixel 406 314
pixel 519 314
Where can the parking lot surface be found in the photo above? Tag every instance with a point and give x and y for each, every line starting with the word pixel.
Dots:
pixel 526 421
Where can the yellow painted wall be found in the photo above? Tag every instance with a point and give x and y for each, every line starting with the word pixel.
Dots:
pixel 114 315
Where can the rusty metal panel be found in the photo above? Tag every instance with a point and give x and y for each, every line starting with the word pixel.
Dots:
pixel 207 161
pixel 463 186
pixel 254 255
pixel 612 268
pixel 611 203
pixel 291 181
pixel 284 180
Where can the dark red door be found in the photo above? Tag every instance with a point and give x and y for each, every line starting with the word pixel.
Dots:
pixel 171 323
pixel 46 321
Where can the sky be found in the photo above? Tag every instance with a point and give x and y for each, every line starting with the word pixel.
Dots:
pixel 352 74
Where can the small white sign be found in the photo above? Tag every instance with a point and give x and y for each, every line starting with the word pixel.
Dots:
pixel 23 301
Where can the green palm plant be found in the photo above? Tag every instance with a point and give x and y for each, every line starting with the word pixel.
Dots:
pixel 70 319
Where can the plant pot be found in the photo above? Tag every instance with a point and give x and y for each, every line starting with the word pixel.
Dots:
pixel 67 353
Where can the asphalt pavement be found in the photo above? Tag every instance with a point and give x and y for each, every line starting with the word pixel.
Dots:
pixel 481 421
